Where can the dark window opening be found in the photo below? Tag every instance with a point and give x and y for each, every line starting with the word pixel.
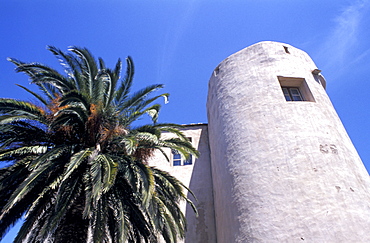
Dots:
pixel 189 161
pixel 178 160
pixel 292 94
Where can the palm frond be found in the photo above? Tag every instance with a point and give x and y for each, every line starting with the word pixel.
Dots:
pixel 110 172
pixel 75 162
pixel 138 97
pixel 74 97
pixel 21 108
pixel 125 87
pixel 87 67
pixel 40 168
pixel 71 116
pixel 66 198
pixel 152 111
pixel 37 96
pixel 40 73
pixel 14 131
pixel 11 154
pixel 70 65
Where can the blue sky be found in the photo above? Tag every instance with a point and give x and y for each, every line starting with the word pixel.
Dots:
pixel 179 43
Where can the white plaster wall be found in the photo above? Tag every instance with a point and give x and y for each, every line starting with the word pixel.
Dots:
pixel 198 178
pixel 282 171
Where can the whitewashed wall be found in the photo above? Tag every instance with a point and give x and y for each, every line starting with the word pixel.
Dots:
pixel 282 171
pixel 198 178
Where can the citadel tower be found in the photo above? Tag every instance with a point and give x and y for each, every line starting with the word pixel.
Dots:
pixel 283 166
pixel 276 163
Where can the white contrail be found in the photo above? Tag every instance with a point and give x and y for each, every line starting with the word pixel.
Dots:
pixel 172 39
pixel 342 42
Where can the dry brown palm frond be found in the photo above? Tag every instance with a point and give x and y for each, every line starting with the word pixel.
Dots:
pixel 144 154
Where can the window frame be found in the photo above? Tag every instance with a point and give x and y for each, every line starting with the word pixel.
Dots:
pixel 290 95
pixel 176 158
pixel 297 84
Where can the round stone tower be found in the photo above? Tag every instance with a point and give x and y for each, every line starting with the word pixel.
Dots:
pixel 283 166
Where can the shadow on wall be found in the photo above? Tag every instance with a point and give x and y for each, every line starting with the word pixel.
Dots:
pixel 201 229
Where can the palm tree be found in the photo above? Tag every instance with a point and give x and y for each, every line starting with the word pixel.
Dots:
pixel 77 166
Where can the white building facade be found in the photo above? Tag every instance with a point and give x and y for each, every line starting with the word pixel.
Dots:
pixel 276 163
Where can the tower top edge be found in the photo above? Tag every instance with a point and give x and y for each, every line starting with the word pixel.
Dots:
pixel 268 49
pixel 272 52
pixel 267 45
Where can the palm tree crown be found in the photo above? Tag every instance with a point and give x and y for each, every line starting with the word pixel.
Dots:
pixel 78 167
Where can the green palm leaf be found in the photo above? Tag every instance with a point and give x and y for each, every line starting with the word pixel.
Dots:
pixel 39 97
pixel 21 108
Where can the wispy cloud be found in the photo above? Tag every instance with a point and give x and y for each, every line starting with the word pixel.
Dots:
pixel 342 41
pixel 173 38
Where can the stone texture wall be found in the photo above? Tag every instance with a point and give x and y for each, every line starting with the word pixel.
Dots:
pixel 282 171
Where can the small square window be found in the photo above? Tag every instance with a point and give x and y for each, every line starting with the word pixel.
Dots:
pixel 295 89
pixel 178 160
